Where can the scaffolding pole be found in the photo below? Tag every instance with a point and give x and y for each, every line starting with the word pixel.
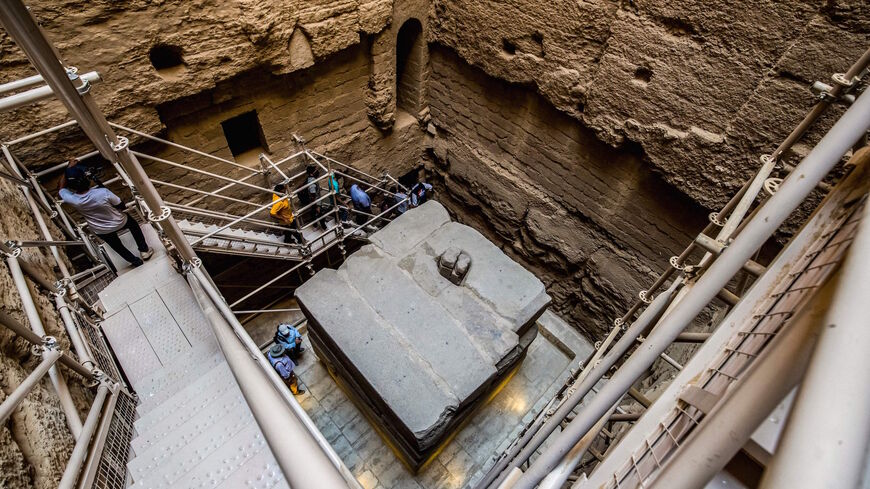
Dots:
pixel 796 187
pixel 728 427
pixel 818 448
pixel 57 379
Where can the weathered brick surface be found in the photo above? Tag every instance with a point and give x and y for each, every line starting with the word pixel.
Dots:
pixel 693 84
pixel 586 215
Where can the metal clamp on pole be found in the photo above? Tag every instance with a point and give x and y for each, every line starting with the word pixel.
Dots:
pixel 165 212
pixel 825 93
pixel 73 73
pixel 11 249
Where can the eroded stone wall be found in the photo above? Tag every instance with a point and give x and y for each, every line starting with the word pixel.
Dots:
pixel 588 217
pixel 703 88
pixel 593 138
pixel 35 442
pixel 589 139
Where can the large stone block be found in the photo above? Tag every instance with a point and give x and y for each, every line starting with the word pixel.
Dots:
pixel 419 350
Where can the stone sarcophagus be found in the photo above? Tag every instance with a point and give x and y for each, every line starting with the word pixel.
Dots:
pixel 421 324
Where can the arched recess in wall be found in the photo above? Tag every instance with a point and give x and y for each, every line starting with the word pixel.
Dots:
pixel 410 66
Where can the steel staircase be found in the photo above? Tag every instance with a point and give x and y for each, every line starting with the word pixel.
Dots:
pixel 193 426
pixel 239 241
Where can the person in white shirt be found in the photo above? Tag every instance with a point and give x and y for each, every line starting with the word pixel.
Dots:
pixel 102 210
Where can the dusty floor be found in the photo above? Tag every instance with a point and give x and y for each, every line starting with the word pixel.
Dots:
pixel 262 326
pixel 463 461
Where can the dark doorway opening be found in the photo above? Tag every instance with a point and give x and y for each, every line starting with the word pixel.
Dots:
pixel 411 178
pixel 409 66
pixel 244 133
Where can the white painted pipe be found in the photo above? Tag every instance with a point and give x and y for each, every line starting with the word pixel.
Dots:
pixel 536 435
pixel 826 436
pixel 557 478
pixel 57 380
pixel 41 133
pixel 22 83
pixel 304 455
pixel 13 102
pixel 83 440
pixel 731 423
pixel 49 358
pixel 74 333
pixel 796 187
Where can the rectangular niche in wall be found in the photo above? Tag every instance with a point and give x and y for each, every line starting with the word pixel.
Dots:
pixel 245 135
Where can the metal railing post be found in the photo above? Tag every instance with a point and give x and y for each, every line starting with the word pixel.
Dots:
pixel 803 180
pixel 817 448
pixel 83 440
pixel 95 454
pixel 73 331
pixel 57 380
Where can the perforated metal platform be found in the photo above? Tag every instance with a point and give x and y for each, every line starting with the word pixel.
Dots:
pixel 194 428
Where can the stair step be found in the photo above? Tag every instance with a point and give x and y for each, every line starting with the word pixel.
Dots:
pixel 182 449
pixel 186 312
pixel 215 468
pixel 177 379
pixel 215 379
pixel 213 406
pixel 260 472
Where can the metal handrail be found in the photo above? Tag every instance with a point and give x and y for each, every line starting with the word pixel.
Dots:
pixel 224 216
pixel 202 192
pixel 306 461
pixel 184 148
pixel 238 220
pixel 80 451
pixel 200 171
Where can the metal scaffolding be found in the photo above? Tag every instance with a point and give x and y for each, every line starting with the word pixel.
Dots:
pixel 762 347
pixel 753 215
pixel 102 440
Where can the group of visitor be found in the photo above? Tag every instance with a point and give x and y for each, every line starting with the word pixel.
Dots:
pixel 315 206
pixel 284 355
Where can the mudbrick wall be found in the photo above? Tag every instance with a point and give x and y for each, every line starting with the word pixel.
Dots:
pixel 593 138
pixel 589 139
pixel 323 70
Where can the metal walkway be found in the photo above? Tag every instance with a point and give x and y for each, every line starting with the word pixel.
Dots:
pixel 194 428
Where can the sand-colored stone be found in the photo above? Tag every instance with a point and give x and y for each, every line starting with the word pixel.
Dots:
pixel 589 140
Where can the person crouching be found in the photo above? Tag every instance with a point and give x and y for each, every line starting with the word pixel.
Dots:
pixel 282 364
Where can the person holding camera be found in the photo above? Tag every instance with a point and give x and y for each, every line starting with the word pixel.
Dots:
pixel 103 211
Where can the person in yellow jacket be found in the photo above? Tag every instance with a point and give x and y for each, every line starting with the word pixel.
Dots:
pixel 282 210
